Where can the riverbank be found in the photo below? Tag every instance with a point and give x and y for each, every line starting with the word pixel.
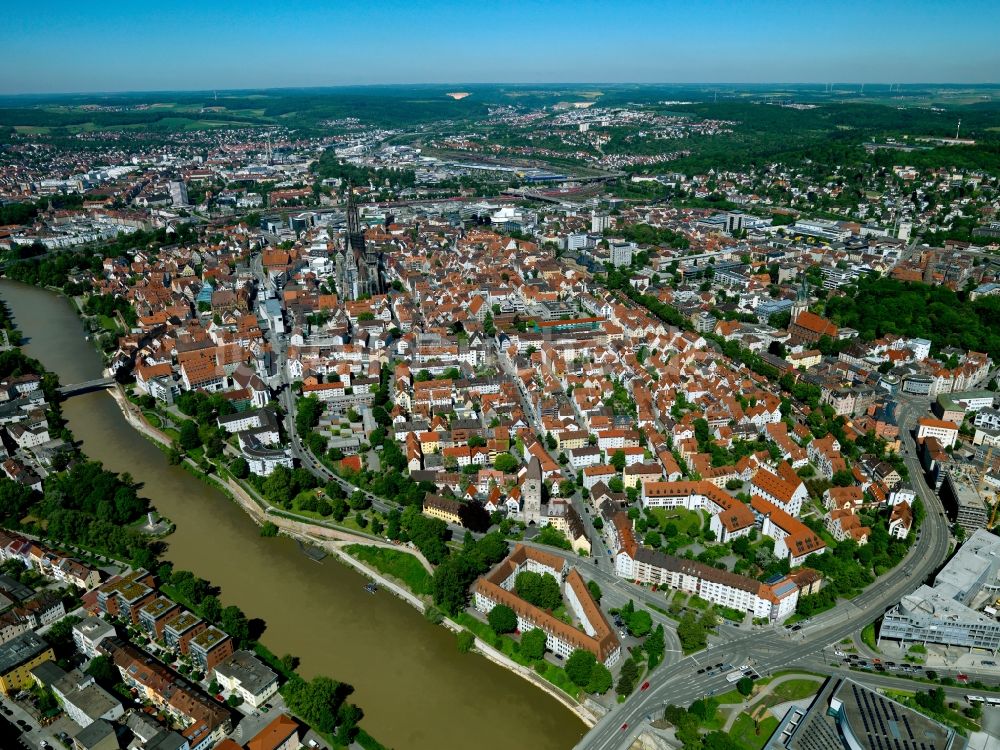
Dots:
pixel 417 690
pixel 333 541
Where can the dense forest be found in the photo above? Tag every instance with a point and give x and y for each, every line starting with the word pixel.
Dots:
pixel 936 313
pixel 330 166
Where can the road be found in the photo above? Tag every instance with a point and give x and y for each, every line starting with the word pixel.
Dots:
pixel 767 650
pixel 774 649
pixel 35 734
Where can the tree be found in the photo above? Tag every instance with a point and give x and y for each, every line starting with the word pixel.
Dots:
pixel 600 680
pixel 240 468
pixel 339 509
pixel 595 591
pixel 540 589
pixel 502 619
pixel 348 718
pixel 579 667
pixel 269 529
pixel 465 641
pixel 618 461
pixel 745 686
pixel 655 646
pixel 278 486
pixel 720 741
pixel 233 621
pixel 843 478
pixel 317 702
pixel 627 677
pixel 505 463
pixel 189 438
pixel 451 582
pixel 691 633
pixel 102 669
pixel 307 414
pixel 533 643
pixel 639 623
pixel 567 487
pixel 210 608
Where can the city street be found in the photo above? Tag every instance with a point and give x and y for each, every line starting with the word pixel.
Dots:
pixel 766 649
pixel 778 649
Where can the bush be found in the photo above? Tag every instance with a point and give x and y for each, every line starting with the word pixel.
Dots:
pixel 465 641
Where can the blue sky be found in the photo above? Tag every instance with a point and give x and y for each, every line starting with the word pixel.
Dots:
pixel 60 46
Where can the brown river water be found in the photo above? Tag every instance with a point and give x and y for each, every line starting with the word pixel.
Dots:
pixel 417 691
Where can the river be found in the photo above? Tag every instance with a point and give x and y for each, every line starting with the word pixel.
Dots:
pixel 417 691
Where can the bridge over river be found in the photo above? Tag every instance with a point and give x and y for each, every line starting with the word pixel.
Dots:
pixel 75 389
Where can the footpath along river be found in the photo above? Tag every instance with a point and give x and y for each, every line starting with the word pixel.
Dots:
pixel 417 691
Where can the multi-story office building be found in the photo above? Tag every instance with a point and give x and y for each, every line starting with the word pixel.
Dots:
pixel 950 612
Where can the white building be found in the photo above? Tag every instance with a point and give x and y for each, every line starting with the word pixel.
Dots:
pixel 945 432
pixel 594 634
pixel 620 253
pixel 88 634
pixel 178 192
pixel 261 459
pixel 244 675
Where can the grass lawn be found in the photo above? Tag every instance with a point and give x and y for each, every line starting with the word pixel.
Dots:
pixel 549 671
pixel 868 637
pixel 793 690
pixel 733 696
pixel 687 521
pixel 744 734
pixel 153 419
pixel 108 324
pixel 400 565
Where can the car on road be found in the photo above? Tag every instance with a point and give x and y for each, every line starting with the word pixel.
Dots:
pixel 701 671
pixel 624 726
pixel 989 663
pixel 645 685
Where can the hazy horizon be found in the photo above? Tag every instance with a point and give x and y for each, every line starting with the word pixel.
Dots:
pixel 847 86
pixel 68 48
